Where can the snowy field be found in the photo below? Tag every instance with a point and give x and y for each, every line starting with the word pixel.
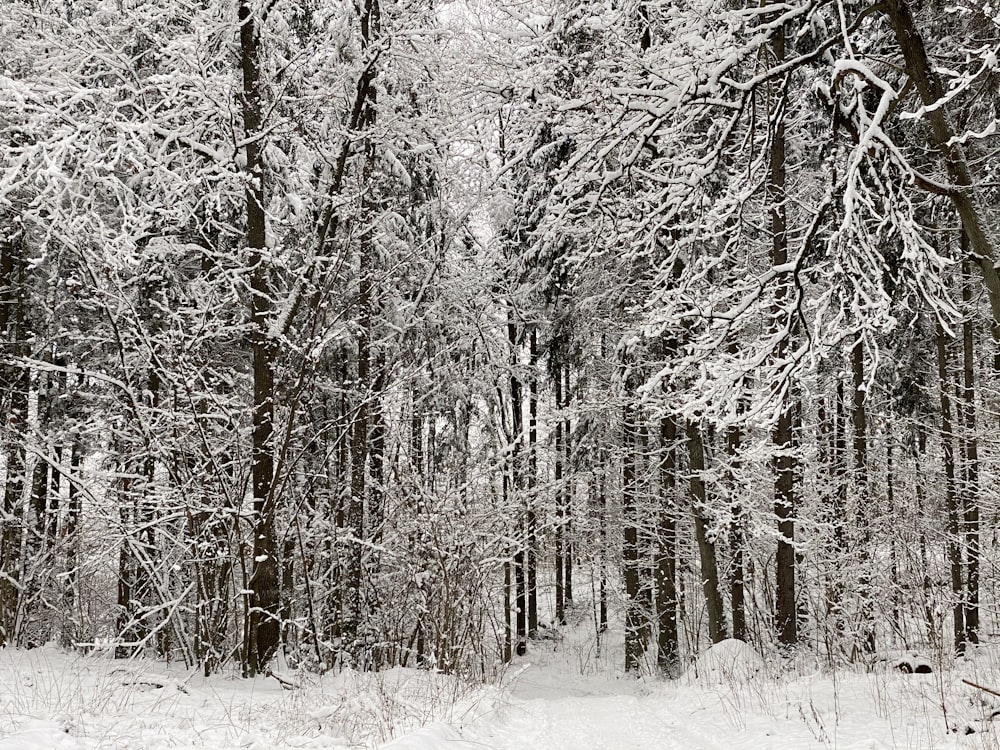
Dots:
pixel 559 697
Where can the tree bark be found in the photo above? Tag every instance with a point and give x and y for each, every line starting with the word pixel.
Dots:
pixel 970 459
pixel 530 520
pixel 559 530
pixel 668 642
pixel 264 630
pixel 737 534
pixel 926 583
pixel 38 529
pixel 706 547
pixel 567 493
pixel 13 292
pixel 955 562
pixel 786 614
pixel 634 619
pixel 516 486
pixel 859 419
pixel 71 596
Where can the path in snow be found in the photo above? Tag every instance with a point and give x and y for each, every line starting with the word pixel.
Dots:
pixel 547 709
pixel 548 706
pixel 595 723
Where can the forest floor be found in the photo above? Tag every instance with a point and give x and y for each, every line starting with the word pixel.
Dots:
pixel 563 695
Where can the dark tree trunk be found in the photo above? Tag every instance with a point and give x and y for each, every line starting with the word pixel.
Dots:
pixel 706 546
pixel 71 615
pixel 365 465
pixel 40 479
pixel 668 643
pixel 264 630
pixel 508 630
pixel 970 458
pixel 786 612
pixel 955 561
pixel 602 504
pixel 634 616
pixel 737 534
pixel 863 513
pixel 559 532
pixel 39 528
pixel 15 393
pixel 567 494
pixel 516 486
pixel 530 521
pixel 926 583
pixel 647 532
pixel 890 499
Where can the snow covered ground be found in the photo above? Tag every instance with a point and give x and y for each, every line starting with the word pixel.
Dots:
pixel 561 696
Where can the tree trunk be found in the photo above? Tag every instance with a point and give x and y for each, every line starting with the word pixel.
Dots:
pixel 264 630
pixel 72 619
pixel 970 458
pixel 890 501
pixel 559 532
pixel 786 614
pixel 951 496
pixel 508 651
pixel 530 520
pixel 634 619
pixel 926 583
pixel 706 546
pixel 16 385
pixel 365 465
pixel 567 494
pixel 516 486
pixel 737 537
pixel 826 458
pixel 668 642
pixel 602 504
pixel 38 540
pixel 863 514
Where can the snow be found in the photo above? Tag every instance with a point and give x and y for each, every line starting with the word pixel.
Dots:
pixel 727 661
pixel 565 694
pixel 37 733
pixel 430 738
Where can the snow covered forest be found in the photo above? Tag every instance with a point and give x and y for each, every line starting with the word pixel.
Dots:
pixel 390 333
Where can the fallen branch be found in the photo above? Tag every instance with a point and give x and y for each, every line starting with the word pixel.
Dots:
pixel 991 691
pixel 155 682
pixel 286 683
